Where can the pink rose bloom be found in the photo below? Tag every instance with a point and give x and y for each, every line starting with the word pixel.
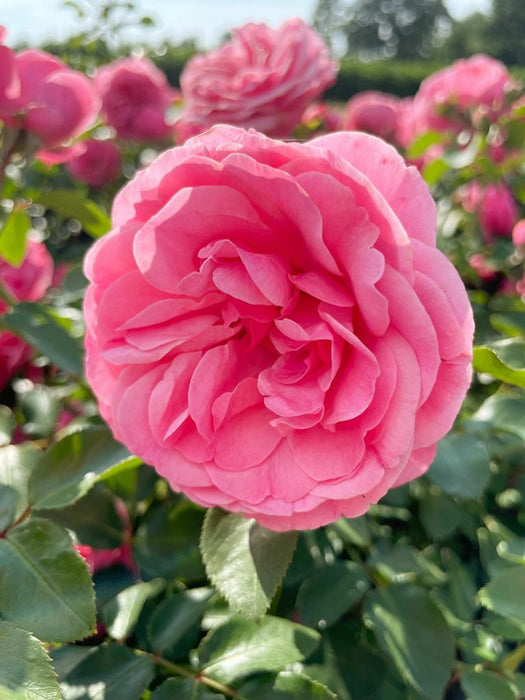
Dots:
pixel 498 211
pixel 51 101
pixel 29 282
pixel 518 233
pixel 329 119
pixel 9 81
pixel 98 164
pixel 373 112
pixel 272 327
pixel 263 78
pixel 135 96
pixel 479 263
pixel 467 84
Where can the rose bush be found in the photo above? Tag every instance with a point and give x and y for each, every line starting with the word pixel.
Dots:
pixel 29 282
pixel 262 78
pixel 271 326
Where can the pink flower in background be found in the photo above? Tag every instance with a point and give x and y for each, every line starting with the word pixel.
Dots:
pixel 373 112
pixel 263 78
pixel 9 80
pixel 46 98
pixel 272 327
pixel 29 282
pixel 135 97
pixel 329 118
pixel 98 164
pixel 498 212
pixel 478 82
pixel 518 233
pixel 480 264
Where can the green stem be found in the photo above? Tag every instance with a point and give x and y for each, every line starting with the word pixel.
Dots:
pixel 198 677
pixel 24 515
pixel 514 660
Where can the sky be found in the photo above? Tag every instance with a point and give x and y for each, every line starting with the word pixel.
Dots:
pixel 33 21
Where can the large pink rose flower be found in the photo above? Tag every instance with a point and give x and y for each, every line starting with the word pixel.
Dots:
pixel 29 282
pixel 45 97
pixel 135 97
pixel 97 164
pixel 262 78
pixel 272 327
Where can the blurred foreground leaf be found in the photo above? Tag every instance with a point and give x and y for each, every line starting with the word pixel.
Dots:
pixel 39 328
pixel 73 204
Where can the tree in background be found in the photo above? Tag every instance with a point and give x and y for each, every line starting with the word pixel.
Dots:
pixel 467 37
pixel 401 29
pixel 505 30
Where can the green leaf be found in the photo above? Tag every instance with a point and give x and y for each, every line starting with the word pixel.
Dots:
pixel 93 519
pixel 41 572
pixel 504 360
pixel 503 411
pixel 7 425
pixel 120 614
pixel 440 515
pixel 286 686
pixel 508 629
pixel 511 323
pixel 240 647
pixel 167 542
pixel 504 594
pixel 404 564
pixel 244 560
pixel 461 589
pixel 325 597
pixel 39 408
pixel 413 632
pixel 485 685
pixel 513 551
pixel 39 328
pixel 110 672
pixel 176 616
pixel 354 531
pixel 73 204
pixel 17 462
pixel 183 689
pixel 434 171
pixel 461 466
pixel 70 467
pixel 25 667
pixel 13 238
pixel 419 147
pixel 9 499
